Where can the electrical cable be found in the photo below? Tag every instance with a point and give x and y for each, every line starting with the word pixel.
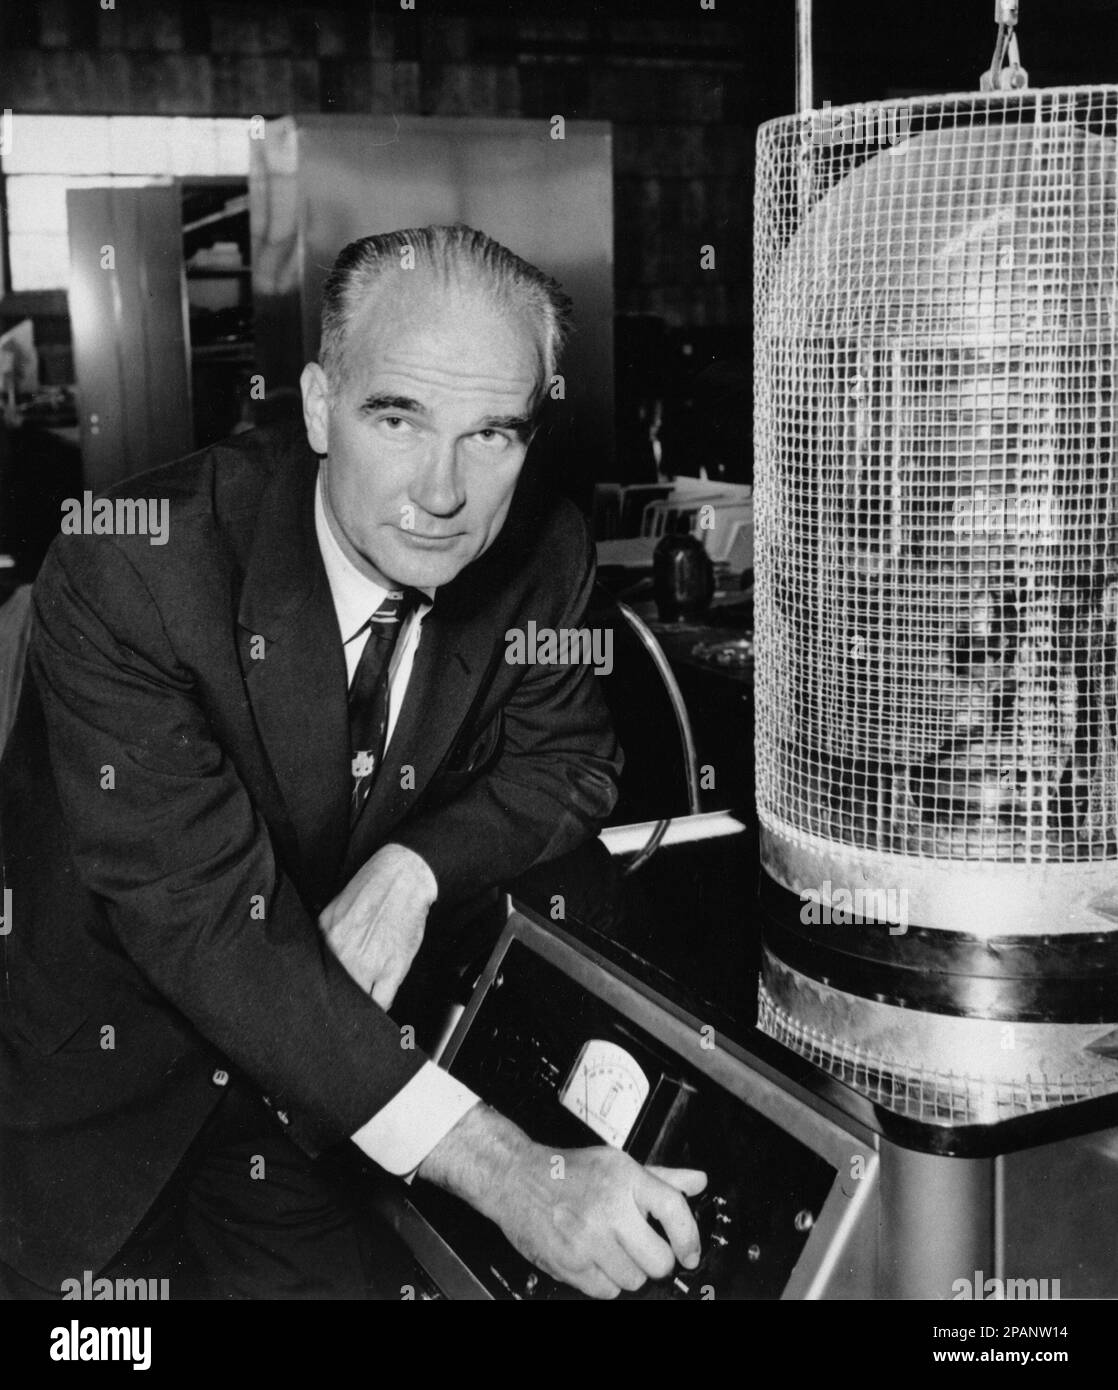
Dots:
pixel 648 640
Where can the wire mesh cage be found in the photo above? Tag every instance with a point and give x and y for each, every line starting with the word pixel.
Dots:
pixel 937 499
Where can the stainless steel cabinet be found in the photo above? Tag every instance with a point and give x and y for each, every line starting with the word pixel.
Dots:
pixel 128 315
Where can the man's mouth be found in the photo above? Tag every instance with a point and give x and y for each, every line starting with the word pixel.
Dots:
pixel 429 542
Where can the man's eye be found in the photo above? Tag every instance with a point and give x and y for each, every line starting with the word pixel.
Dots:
pixel 492 439
pixel 394 424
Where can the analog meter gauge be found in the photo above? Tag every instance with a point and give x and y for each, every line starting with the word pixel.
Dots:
pixel 606 1089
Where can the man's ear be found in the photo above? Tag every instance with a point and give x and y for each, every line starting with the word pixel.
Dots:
pixel 316 407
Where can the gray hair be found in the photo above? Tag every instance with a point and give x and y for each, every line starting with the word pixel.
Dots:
pixel 457 255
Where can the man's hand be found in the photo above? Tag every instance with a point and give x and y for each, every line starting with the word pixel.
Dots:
pixel 580 1214
pixel 375 925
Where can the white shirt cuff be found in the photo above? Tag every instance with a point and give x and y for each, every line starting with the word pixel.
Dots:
pixel 401 1134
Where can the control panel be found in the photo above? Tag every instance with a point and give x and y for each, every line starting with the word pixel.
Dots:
pixel 556 1055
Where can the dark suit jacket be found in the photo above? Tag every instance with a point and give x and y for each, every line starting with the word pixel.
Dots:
pixel 173 807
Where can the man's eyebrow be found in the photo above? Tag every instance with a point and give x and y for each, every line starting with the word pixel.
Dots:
pixel 520 425
pixel 404 403
pixel 515 424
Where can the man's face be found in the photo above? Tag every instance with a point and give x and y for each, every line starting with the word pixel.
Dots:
pixel 426 436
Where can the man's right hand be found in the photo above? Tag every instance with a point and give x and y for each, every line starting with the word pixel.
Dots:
pixel 581 1215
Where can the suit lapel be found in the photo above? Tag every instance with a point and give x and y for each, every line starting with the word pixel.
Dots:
pixel 295 674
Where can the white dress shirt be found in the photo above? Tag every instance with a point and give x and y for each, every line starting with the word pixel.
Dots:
pixel 401 1134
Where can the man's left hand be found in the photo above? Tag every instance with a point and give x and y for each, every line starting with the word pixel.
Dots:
pixel 375 925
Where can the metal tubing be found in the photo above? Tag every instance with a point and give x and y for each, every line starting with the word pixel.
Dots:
pixel 679 708
pixel 805 95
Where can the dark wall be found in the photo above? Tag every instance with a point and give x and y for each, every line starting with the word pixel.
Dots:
pixel 678 81
pixel 870 49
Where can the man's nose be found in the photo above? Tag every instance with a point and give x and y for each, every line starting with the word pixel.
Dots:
pixel 438 486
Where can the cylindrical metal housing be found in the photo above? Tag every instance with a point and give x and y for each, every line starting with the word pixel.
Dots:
pixel 937 525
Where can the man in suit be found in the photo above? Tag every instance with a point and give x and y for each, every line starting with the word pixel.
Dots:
pixel 248 763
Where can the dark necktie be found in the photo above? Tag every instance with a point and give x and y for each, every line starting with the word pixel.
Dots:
pixel 368 696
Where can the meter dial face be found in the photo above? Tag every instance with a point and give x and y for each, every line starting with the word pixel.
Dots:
pixel 606 1089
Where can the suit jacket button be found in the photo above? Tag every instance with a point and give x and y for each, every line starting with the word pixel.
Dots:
pixel 220 1078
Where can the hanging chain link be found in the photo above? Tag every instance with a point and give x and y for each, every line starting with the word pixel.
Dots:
pixel 1003 75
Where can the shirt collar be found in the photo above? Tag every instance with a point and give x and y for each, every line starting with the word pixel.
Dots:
pixel 356 596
